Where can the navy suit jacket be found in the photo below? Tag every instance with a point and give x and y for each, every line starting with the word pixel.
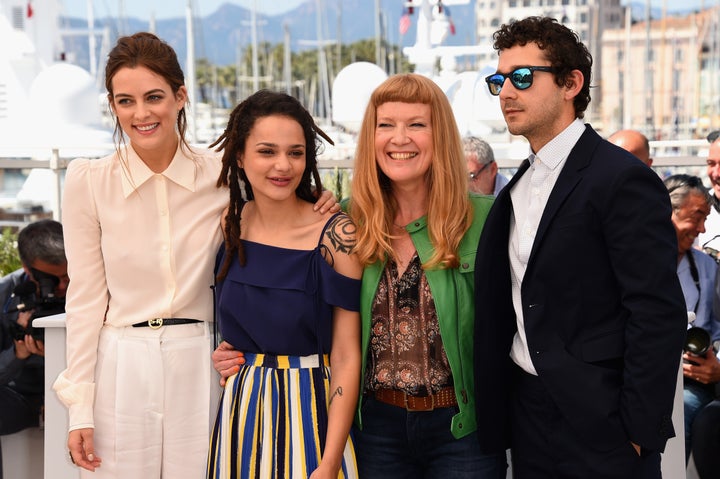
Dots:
pixel 603 309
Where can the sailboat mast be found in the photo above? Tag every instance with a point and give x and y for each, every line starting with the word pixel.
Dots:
pixel 190 70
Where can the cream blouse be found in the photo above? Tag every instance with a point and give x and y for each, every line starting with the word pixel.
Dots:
pixel 139 246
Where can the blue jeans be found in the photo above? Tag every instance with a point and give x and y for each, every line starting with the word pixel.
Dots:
pixel 695 397
pixel 395 444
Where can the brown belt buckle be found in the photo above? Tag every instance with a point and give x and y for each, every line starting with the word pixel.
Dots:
pixel 424 400
pixel 155 323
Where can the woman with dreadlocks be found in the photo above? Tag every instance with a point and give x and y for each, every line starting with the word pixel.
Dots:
pixel 141 234
pixel 288 297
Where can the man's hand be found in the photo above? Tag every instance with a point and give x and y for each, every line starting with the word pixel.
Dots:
pixel 227 360
pixel 706 369
pixel 21 349
pixel 35 346
pixel 27 346
pixel 24 318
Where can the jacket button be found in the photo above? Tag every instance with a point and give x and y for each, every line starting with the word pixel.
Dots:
pixel 465 266
pixel 459 425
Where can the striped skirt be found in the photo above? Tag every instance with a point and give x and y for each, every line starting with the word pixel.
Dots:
pixel 272 420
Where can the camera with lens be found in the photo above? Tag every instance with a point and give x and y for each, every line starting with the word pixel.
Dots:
pixel 39 297
pixel 697 342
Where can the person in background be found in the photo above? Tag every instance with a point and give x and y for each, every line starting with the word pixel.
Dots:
pixel 141 234
pixel 706 436
pixel 580 317
pixel 417 233
pixel 634 142
pixel 697 271
pixel 35 290
pixel 295 321
pixel 483 176
pixel 709 240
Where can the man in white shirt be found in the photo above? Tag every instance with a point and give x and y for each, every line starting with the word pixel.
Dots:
pixel 580 318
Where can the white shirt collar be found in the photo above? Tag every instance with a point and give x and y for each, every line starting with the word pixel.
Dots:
pixel 558 149
pixel 181 171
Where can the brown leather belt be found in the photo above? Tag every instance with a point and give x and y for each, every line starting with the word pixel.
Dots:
pixel 443 398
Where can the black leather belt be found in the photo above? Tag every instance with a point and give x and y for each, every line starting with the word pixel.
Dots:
pixel 156 323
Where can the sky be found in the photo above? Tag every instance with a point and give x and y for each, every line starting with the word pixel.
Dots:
pixel 143 9
pixel 169 8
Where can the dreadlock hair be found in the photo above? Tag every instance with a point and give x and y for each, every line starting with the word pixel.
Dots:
pixel 232 143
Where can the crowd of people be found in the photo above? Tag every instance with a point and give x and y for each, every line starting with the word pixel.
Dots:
pixel 445 315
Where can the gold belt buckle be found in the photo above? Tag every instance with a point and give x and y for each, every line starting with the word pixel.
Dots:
pixel 155 323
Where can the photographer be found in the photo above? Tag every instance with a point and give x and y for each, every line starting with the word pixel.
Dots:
pixel 696 271
pixel 36 290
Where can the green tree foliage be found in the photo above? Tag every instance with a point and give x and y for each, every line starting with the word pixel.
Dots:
pixel 9 257
pixel 237 80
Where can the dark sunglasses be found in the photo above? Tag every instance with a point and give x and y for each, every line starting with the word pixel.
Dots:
pixel 521 78
pixel 713 136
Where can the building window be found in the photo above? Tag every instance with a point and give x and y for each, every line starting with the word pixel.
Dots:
pixel 678 55
pixel 620 56
pixel 18 18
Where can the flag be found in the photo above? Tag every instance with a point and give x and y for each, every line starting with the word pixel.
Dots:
pixel 450 22
pixel 404 23
pixel 29 10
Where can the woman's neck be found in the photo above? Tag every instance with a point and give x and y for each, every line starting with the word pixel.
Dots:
pixel 412 203
pixel 157 159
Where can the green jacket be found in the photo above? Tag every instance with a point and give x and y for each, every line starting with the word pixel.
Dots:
pixel 453 293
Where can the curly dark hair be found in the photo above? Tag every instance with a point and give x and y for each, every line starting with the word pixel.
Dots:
pixel 232 143
pixel 562 47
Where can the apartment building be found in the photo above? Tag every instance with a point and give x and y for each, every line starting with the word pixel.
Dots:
pixel 662 77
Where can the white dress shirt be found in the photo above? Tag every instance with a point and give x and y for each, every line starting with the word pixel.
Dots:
pixel 529 197
pixel 139 245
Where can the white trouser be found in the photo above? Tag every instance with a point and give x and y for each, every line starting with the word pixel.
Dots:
pixel 156 395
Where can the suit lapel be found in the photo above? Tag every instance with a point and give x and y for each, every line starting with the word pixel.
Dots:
pixel 503 205
pixel 570 176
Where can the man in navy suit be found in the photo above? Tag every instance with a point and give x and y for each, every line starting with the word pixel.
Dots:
pixel 580 319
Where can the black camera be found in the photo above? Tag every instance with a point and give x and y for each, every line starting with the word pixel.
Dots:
pixel 697 341
pixel 38 297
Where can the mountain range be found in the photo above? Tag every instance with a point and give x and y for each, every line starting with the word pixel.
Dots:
pixel 221 35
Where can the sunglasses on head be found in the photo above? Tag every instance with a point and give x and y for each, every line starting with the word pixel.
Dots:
pixel 521 78
pixel 713 136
